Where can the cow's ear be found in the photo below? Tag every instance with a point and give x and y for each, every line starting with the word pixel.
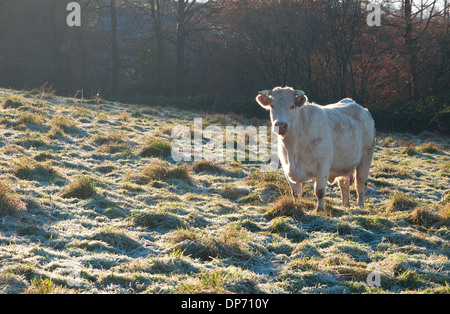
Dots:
pixel 300 100
pixel 264 101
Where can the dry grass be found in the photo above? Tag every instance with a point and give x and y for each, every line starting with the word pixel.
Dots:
pixel 10 203
pixel 13 102
pixel 429 147
pixel 82 188
pixel 206 166
pixel 28 169
pixel 400 202
pixel 61 125
pixel 285 206
pixel 230 243
pixel 156 147
pixel 135 223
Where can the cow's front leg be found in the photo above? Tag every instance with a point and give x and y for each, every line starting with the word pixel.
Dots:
pixel 297 190
pixel 320 189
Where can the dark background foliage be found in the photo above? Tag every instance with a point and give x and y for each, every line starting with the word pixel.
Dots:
pixel 215 55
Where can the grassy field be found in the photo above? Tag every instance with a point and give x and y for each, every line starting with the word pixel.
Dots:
pixel 91 202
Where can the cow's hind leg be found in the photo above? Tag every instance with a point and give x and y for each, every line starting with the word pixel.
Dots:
pixel 344 185
pixel 362 176
pixel 320 189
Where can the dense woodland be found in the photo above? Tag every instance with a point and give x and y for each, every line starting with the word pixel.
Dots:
pixel 215 55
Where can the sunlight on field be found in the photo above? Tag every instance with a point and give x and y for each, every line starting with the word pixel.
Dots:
pixel 91 201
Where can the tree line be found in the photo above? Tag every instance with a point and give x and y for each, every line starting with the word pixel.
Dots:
pixel 228 49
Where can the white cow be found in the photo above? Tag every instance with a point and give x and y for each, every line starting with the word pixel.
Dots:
pixel 324 143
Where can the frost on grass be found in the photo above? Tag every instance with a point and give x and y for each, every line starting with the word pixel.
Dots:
pixel 10 203
pixel 83 188
pixel 91 189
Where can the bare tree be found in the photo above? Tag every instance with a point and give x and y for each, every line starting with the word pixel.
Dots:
pixel 191 16
pixel 157 11
pixel 115 50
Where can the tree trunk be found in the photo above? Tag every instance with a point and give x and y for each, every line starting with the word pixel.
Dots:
pixel 411 51
pixel 157 16
pixel 181 48
pixel 83 57
pixel 181 64
pixel 115 52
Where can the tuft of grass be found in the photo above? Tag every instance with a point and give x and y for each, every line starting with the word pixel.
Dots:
pixel 388 141
pixel 27 169
pixel 252 198
pixel 114 148
pixel 159 170
pixel 44 156
pixel 82 188
pixel 112 143
pixel 116 238
pixel 10 202
pixel 156 148
pixel 285 206
pixel 60 125
pixel 270 180
pixel 156 220
pixel 444 171
pixel 410 280
pixel 400 202
pixel 283 227
pixel 30 118
pixel 214 282
pixel 429 147
pixel 111 137
pixel 30 140
pixel 232 242
pixel 232 192
pixel 42 286
pixel 206 166
pixel 422 217
pixel 13 102
pixel 410 150
pixel 444 213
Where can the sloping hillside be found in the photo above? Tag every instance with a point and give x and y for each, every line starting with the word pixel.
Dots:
pixel 91 202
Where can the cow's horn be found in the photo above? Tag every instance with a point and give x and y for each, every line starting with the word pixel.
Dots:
pixel 300 92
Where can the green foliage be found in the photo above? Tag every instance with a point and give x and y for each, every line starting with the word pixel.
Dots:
pixel 430 114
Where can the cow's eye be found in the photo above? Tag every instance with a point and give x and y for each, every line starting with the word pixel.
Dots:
pixel 292 107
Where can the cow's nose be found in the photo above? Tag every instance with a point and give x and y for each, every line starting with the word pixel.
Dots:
pixel 282 127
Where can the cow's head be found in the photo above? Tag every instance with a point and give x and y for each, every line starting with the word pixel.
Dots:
pixel 282 103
